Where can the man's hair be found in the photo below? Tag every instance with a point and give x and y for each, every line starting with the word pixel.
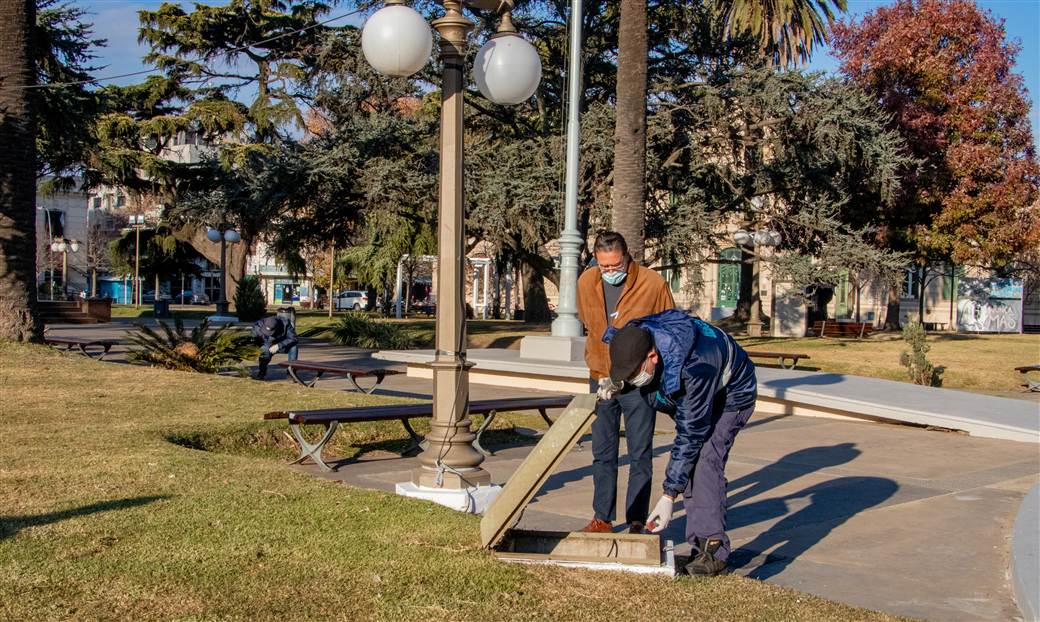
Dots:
pixel 608 241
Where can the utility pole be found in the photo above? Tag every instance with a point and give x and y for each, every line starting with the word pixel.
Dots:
pixel 332 274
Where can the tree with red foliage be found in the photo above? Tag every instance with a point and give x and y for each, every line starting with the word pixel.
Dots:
pixel 945 73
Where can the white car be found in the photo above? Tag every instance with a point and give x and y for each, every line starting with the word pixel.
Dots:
pixel 350 299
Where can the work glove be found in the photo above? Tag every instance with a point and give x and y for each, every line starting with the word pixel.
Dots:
pixel 607 389
pixel 273 349
pixel 661 515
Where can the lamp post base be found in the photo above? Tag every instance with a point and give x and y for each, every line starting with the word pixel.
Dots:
pixel 754 329
pixel 223 307
pixel 472 500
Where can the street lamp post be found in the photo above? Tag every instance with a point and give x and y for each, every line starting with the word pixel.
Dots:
pixel 751 241
pixel 64 246
pixel 137 222
pixel 225 235
pixel 397 41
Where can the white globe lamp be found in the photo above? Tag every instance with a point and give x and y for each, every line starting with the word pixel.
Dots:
pixel 231 236
pixel 62 247
pixel 213 235
pixel 507 69
pixel 741 237
pixel 397 41
pixel 74 246
pixel 54 247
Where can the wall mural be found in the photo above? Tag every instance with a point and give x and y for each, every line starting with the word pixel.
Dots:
pixel 989 305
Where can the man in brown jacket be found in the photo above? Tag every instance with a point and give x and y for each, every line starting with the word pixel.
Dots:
pixel 612 293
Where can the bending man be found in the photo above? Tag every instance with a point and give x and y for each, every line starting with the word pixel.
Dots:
pixel 700 374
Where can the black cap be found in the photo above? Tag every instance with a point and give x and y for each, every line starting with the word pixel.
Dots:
pixel 628 350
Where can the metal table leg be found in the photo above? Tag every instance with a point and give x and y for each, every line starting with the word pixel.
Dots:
pixel 379 380
pixel 488 418
pixel 418 442
pixel 313 450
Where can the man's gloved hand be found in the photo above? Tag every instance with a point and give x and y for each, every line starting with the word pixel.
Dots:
pixel 661 515
pixel 607 389
pixel 273 348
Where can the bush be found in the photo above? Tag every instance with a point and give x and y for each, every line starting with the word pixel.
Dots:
pixel 200 350
pixel 250 304
pixel 357 330
pixel 916 363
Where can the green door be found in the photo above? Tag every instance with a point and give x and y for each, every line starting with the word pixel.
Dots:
pixel 729 278
pixel 844 302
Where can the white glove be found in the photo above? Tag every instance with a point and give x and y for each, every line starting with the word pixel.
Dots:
pixel 607 389
pixel 661 515
pixel 273 349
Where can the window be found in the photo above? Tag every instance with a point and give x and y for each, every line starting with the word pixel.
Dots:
pixel 910 283
pixel 951 279
pixel 120 200
pixel 673 276
pixel 97 202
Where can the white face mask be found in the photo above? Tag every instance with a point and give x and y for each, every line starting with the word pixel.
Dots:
pixel 642 378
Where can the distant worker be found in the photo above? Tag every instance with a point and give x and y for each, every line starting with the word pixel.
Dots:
pixel 699 374
pixel 276 334
pixel 611 294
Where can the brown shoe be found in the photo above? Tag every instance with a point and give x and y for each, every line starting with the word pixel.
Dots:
pixel 598 526
pixel 636 527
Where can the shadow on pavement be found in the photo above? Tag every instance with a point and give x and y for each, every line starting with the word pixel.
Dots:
pixel 11 525
pixel 789 468
pixel 831 503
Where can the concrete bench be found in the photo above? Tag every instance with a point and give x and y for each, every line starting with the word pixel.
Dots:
pixel 351 371
pixel 1033 385
pixel 332 417
pixel 781 357
pixel 81 345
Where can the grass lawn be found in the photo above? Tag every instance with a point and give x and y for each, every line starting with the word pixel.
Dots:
pixel 102 517
pixel 983 363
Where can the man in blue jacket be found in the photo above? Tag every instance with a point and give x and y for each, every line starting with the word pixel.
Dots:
pixel 275 334
pixel 698 373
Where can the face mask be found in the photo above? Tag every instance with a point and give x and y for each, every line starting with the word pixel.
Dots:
pixel 642 378
pixel 614 278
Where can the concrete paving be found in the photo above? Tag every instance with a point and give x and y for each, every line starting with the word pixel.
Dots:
pixel 893 518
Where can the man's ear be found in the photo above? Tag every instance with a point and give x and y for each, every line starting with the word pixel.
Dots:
pixel 653 357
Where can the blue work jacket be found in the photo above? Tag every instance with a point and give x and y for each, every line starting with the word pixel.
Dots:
pixel 704 373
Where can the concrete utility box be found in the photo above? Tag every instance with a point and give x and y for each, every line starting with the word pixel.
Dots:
pixel 642 553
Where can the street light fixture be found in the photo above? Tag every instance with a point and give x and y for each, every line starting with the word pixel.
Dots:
pixel 765 238
pixel 224 234
pixel 137 222
pixel 64 246
pixel 396 41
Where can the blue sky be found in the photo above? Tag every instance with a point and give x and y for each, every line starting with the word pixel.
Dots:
pixel 116 20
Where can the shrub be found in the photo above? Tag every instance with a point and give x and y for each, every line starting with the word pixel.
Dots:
pixel 201 350
pixel 359 331
pixel 250 304
pixel 916 363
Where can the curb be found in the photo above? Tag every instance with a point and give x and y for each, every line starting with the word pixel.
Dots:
pixel 1025 556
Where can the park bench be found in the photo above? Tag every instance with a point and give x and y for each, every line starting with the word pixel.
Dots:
pixel 781 357
pixel 332 417
pixel 841 329
pixel 1034 385
pixel 351 371
pixel 81 345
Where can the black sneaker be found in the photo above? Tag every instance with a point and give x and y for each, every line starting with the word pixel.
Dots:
pixel 705 564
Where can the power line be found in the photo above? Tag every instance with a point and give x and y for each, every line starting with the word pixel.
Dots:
pixel 155 69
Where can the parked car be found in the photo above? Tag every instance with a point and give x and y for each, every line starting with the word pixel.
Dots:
pixel 350 299
pixel 191 298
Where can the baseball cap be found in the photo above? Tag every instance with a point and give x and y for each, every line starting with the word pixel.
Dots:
pixel 628 350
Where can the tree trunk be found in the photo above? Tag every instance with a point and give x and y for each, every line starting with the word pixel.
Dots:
pixel 18 315
pixel 921 286
pixel 744 294
pixel 536 304
pixel 629 191
pixel 892 309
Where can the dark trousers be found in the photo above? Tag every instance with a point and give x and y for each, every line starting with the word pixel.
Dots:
pixel 705 495
pixel 291 348
pixel 639 416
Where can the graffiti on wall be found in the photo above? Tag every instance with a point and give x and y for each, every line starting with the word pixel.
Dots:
pixel 989 305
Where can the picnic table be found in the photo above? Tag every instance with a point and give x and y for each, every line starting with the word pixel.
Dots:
pixel 781 357
pixel 81 345
pixel 332 417
pixel 1033 385
pixel 351 371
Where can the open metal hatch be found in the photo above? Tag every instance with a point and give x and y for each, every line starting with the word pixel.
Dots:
pixel 610 551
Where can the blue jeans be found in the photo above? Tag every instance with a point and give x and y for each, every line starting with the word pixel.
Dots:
pixel 632 404
pixel 291 348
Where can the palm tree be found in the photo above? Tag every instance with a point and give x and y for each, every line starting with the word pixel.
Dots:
pixel 18 318
pixel 786 30
pixel 628 202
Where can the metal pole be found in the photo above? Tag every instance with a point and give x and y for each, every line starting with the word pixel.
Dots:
pixel 137 265
pixel 450 461
pixel 397 289
pixel 484 309
pixel 65 274
pixel 754 325
pixel 332 274
pixel 222 304
pixel 566 323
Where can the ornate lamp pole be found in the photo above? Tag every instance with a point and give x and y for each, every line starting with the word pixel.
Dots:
pixel 397 41
pixel 225 235
pixel 64 246
pixel 749 242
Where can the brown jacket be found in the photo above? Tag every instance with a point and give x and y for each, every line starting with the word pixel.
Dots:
pixel 645 293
